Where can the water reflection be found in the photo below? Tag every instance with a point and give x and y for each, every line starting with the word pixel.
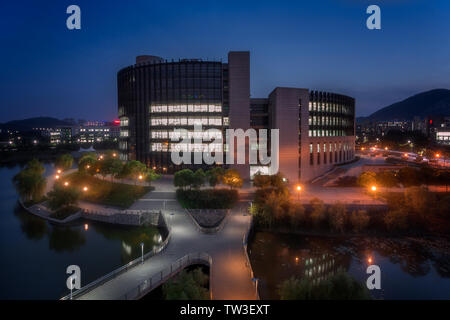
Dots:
pixel 33 227
pixel 277 257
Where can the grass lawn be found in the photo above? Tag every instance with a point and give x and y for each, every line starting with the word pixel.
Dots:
pixel 107 192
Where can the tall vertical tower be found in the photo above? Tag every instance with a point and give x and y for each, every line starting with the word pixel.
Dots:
pixel 239 98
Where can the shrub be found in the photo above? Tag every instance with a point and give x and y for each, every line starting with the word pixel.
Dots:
pixel 396 219
pixel 337 216
pixel 64 162
pixel 318 213
pixel 187 285
pixel 296 214
pixel 232 178
pixel 359 220
pixel 183 178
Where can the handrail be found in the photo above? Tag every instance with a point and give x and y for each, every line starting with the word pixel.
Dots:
pixel 162 276
pixel 113 274
pixel 248 263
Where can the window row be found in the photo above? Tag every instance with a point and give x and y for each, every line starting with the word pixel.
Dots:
pixel 186 108
pixel 182 121
pixel 187 147
pixel 183 134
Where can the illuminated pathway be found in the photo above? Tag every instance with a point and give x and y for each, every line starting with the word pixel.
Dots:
pixel 230 274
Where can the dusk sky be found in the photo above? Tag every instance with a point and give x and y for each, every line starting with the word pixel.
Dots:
pixel 48 70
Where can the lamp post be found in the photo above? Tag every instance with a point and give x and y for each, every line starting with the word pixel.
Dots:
pixel 142 252
pixel 255 280
pixel 299 189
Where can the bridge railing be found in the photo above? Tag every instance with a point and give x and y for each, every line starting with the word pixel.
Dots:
pixel 159 278
pixel 113 274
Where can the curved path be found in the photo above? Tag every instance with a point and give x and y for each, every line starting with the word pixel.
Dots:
pixel 230 272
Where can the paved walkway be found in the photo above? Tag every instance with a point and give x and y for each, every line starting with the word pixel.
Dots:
pixel 230 273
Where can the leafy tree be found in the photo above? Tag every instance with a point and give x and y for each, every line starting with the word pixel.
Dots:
pixel 29 182
pixel 183 178
pixel 151 175
pixel 111 166
pixel 396 219
pixel 232 178
pixel 387 178
pixel 198 178
pixel 296 214
pixel 214 176
pixel 318 213
pixel 61 197
pixel 340 286
pixel 187 286
pixel 337 216
pixel 88 163
pixel 133 169
pixel 359 220
pixel 64 162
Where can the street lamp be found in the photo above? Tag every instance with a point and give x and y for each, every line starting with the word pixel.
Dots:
pixel 66 183
pixel 373 188
pixel 299 189
pixel 142 252
pixel 59 171
pixel 56 177
pixel 85 189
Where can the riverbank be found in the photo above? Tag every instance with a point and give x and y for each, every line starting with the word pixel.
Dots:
pixel 410 266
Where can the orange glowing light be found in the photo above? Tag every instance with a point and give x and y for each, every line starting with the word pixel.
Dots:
pixel 140 177
pixel 86 227
pixel 296 259
pixel 114 154
pixel 299 188
pixel 66 183
pixel 437 155
pixel 405 155
pixel 385 148
pixel 373 188
pixel 88 166
pixel 363 148
pixel 154 168
pixel 56 177
pixel 59 171
pixel 369 260
pixel 85 189
pixel 164 168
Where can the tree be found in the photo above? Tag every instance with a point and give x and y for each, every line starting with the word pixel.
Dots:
pixel 151 175
pixel 61 197
pixel 360 220
pixel 133 169
pixel 409 176
pixel 215 175
pixel 318 213
pixel 111 166
pixel 232 178
pixel 337 216
pixel 29 182
pixel 387 178
pixel 183 178
pixel 64 162
pixel 187 285
pixel 296 214
pixel 88 163
pixel 198 178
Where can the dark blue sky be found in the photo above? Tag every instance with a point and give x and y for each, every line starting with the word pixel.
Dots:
pixel 321 44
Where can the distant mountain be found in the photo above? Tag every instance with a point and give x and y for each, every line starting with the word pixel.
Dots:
pixel 29 124
pixel 433 102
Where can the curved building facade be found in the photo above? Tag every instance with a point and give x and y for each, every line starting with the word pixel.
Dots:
pixel 156 96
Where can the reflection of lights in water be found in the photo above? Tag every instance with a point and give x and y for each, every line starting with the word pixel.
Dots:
pixel 126 248
pixel 86 227
pixel 370 260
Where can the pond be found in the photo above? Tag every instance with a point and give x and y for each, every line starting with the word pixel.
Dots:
pixel 411 268
pixel 34 253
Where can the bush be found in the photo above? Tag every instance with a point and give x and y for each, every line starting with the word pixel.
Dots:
pixel 187 285
pixel 208 198
pixel 341 286
pixel 396 220
pixel 337 216
pixel 296 214
pixel 367 179
pixel 359 220
pixel 64 162
pixel 318 213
